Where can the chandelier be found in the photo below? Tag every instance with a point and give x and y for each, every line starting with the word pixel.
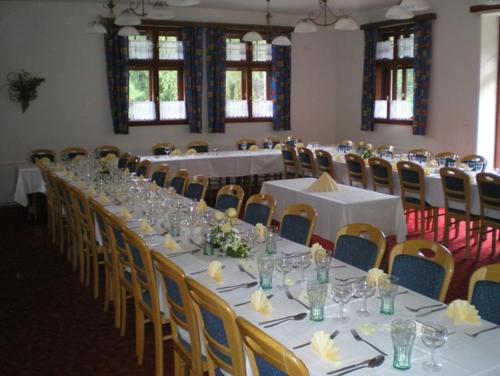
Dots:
pixel 404 10
pixel 254 36
pixel 326 17
pixel 131 16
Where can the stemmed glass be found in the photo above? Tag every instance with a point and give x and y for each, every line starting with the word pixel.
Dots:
pixel 366 289
pixel 302 260
pixel 434 336
pixel 284 265
pixel 342 294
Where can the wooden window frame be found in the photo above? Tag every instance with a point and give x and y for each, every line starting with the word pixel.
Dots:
pixel 382 86
pixel 247 67
pixel 154 66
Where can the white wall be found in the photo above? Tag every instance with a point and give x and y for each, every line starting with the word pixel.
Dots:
pixel 48 39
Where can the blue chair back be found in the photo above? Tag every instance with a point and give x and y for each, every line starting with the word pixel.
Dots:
pixel 225 202
pixel 257 213
pixel 295 228
pixel 194 191
pixel 159 177
pixel 485 297
pixel 356 251
pixel 178 183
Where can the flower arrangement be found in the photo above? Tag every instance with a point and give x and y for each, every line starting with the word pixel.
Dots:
pixel 234 246
pixel 103 167
pixel 364 150
pixel 224 238
pixel 22 88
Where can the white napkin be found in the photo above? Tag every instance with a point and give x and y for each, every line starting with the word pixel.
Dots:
pixel 191 151
pixel 201 206
pixel 215 271
pixel 170 243
pixel 125 214
pixel 176 152
pixel 374 274
pixel 278 147
pixel 322 345
pixel 461 312
pixel 253 148
pixel 103 199
pixel 325 183
pixel 315 248
pixel 260 303
pixel 261 231
pixel 145 227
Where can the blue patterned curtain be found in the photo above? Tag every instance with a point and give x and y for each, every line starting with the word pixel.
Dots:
pixel 192 43
pixel 116 48
pixel 281 66
pixel 423 60
pixel 216 79
pixel 368 98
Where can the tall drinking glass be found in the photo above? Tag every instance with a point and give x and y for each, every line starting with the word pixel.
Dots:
pixel 403 336
pixel 271 238
pixel 316 293
pixel 388 289
pixel 265 264
pixel 322 260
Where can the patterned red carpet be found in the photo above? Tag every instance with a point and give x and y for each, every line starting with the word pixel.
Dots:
pixel 51 325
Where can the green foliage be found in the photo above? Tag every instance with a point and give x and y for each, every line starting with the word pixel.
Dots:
pixel 234 85
pixel 168 86
pixel 22 87
pixel 138 83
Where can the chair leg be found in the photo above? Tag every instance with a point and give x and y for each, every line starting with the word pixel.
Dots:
pixel 435 219
pixel 179 366
pixel 422 224
pixel 158 328
pixel 95 277
pixel 467 238
pixel 139 335
pixel 123 312
pixel 107 288
pixel 117 302
pixel 480 242
pixel 446 235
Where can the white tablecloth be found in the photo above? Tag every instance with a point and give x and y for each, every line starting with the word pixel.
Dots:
pixel 29 180
pixel 337 209
pixel 223 163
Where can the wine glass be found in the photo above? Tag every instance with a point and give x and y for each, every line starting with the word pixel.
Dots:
pixel 302 261
pixel 434 336
pixel 284 265
pixel 366 289
pixel 342 294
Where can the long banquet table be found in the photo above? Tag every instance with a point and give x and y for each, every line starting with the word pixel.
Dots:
pixel 337 209
pixel 462 355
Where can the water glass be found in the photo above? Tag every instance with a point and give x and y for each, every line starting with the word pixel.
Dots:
pixel 302 261
pixel 265 264
pixel 388 289
pixel 284 265
pixel 434 336
pixel 175 224
pixel 271 238
pixel 316 293
pixel 322 260
pixel 342 294
pixel 208 249
pixel 243 146
pixel 366 289
pixel 403 336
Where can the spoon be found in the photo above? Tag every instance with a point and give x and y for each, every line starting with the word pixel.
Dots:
pixel 369 363
pixel 298 317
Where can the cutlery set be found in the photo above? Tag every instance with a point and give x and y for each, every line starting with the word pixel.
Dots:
pixel 291 297
pixel 248 301
pixel 274 322
pixel 332 336
pixel 235 287
pixel 474 335
pixel 205 270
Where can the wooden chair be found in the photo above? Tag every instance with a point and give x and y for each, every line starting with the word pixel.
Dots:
pixel 199 146
pixel 325 162
pixel 65 219
pixel 385 151
pixel 230 196
pixel 163 148
pixel 103 150
pixel 187 349
pixel 475 162
pixel 37 154
pixel 132 163
pixel 446 159
pixel 361 245
pixel 143 168
pixel 160 176
pixel 196 188
pixel 489 198
pixel 266 355
pixel 245 141
pixel 356 169
pixel 70 153
pixel 51 198
pixel 219 331
pixel 307 161
pixel 147 303
pixel 412 183
pixel 484 290
pixel 423 266
pixel 345 146
pixel 292 141
pixel 260 209
pixel 457 203
pixel 419 155
pixel 179 181
pixel 122 160
pixel 298 223
pixel 381 171
pixel 291 162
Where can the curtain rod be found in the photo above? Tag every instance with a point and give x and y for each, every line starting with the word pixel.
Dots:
pixel 484 8
pixel 393 23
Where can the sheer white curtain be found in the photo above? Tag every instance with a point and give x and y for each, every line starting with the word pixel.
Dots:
pixel 405 47
pixel 140 49
pixel 236 108
pixel 171 50
pixel 385 50
pixel 401 110
pixel 380 109
pixel 262 109
pixel 172 110
pixel 236 51
pixel 141 111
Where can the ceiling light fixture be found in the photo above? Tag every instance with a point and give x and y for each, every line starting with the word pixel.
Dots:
pixel 326 17
pixel 254 36
pixel 404 10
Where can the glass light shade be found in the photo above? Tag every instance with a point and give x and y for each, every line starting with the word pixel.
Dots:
pixel 415 5
pixel 281 40
pixel 127 18
pixel 160 11
pixel 183 3
pixel 127 31
pixel 398 13
pixel 95 27
pixel 252 36
pixel 305 26
pixel 346 23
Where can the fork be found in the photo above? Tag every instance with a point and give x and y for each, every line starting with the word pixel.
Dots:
pixel 332 336
pixel 431 311
pixel 291 297
pixel 243 270
pixel 357 337
pixel 474 335
pixel 418 309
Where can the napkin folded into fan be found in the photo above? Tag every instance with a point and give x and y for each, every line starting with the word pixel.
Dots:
pixel 316 247
pixel 215 271
pixel 110 157
pixel 253 148
pixel 103 199
pixel 170 243
pixel 374 274
pixel 461 312
pixel 145 227
pixel 260 231
pixel 91 191
pixel 125 214
pixel 325 183
pixel 260 303
pixel 191 151
pixel 176 152
pixel 44 161
pixel 326 348
pixel 278 147
pixel 153 187
pixel 201 206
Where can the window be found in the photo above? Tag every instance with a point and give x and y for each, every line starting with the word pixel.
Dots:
pixel 394 77
pixel 248 80
pixel 156 82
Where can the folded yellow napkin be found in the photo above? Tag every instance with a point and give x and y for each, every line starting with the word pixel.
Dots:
pixel 110 157
pixel 191 151
pixel 80 184
pixel 103 199
pixel 325 183
pixel 461 312
pixel 300 145
pixel 126 172
pixel 170 243
pixel 374 274
pixel 201 206
pixel 367 329
pixel 226 227
pixel 60 168
pixel 45 161
pixel 260 303
pixel 176 152
pixel 219 216
pixel 92 191
pixel 278 147
pixel 215 271
pixel 145 227
pixel 427 171
pixel 253 148
pixel 260 231
pixel 231 212
pixel 125 214
pixel 339 158
pixel 153 186
pixel 322 345
pixel 315 248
